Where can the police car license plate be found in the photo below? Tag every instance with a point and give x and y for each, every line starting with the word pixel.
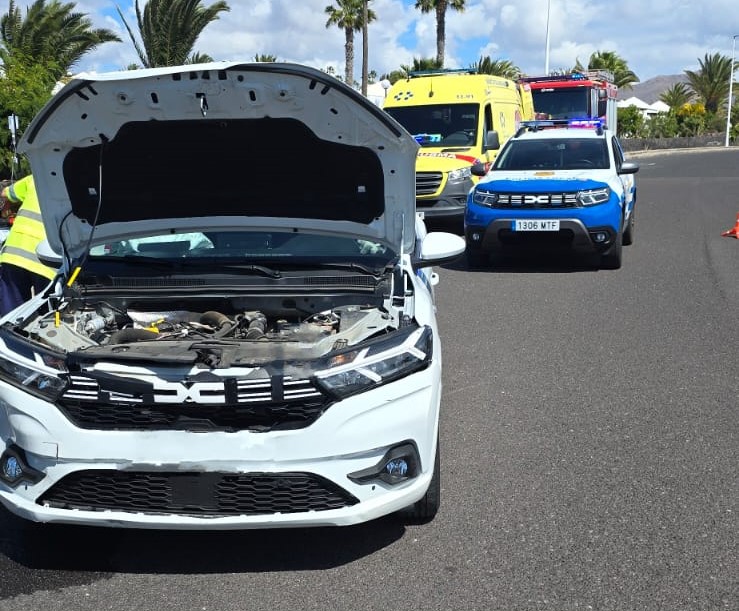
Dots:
pixel 535 225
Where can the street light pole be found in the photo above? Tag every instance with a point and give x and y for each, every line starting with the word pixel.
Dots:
pixel 546 51
pixel 731 85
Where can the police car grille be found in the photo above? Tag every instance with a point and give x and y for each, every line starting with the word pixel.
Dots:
pixel 257 405
pixel 199 494
pixel 427 183
pixel 537 200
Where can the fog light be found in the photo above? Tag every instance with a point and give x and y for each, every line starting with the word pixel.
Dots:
pixel 600 237
pixel 399 464
pixel 476 237
pixel 398 467
pixel 14 469
pixel 11 469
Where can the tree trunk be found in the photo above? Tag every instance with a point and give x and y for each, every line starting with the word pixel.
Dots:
pixel 440 31
pixel 365 46
pixel 349 57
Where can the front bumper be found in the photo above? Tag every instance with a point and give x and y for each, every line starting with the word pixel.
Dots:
pixel 491 230
pixel 449 202
pixel 351 436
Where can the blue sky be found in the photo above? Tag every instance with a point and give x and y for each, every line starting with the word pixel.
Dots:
pixel 656 37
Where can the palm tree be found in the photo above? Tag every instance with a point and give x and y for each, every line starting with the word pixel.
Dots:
pixel 614 63
pixel 365 45
pixel 348 15
pixel 51 34
pixel 265 57
pixel 440 7
pixel 169 30
pixel 676 96
pixel 711 83
pixel 497 67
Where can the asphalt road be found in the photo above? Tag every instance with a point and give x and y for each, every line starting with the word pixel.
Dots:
pixel 589 435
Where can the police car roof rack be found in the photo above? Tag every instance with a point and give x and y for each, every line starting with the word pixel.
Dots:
pixel 539 124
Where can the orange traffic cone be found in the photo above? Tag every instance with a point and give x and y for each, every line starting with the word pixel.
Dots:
pixel 734 231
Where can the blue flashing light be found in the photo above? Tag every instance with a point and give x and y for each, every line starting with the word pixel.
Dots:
pixel 584 122
pixel 588 123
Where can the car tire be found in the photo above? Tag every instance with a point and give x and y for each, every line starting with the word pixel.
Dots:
pixel 628 239
pixel 425 509
pixel 612 258
pixel 476 257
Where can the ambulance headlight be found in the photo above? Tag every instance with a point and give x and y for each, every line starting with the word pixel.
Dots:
pixel 460 175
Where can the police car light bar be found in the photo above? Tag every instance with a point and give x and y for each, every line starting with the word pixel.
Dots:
pixel 597 124
pixel 585 122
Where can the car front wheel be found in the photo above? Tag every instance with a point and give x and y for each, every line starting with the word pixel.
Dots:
pixel 612 258
pixel 629 229
pixel 427 507
pixel 476 257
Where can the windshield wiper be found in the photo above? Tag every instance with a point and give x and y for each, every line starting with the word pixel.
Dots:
pixel 351 265
pixel 185 263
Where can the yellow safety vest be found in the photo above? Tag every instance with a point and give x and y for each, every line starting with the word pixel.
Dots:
pixel 27 230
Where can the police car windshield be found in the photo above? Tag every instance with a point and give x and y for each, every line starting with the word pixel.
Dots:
pixel 434 125
pixel 554 154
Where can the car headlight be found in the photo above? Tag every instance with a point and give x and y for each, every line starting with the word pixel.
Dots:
pixel 460 175
pixel 484 198
pixel 376 364
pixel 33 372
pixel 594 196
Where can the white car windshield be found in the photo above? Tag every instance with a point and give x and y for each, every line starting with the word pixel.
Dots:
pixel 248 246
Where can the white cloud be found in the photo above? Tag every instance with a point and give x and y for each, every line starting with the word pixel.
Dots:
pixel 656 37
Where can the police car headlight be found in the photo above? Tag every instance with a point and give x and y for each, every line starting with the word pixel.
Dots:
pixel 381 362
pixel 484 198
pixel 594 196
pixel 460 175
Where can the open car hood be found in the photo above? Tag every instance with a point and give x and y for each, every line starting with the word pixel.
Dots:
pixel 223 145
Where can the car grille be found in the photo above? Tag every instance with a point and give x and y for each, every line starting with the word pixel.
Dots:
pixel 428 183
pixel 231 405
pixel 203 494
pixel 537 200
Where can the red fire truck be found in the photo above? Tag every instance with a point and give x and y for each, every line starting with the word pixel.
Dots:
pixel 579 95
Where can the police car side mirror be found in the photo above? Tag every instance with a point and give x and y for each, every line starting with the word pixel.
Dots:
pixel 492 141
pixel 47 256
pixel 627 167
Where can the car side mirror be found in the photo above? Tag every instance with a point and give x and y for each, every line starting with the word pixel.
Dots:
pixel 479 169
pixel 47 256
pixel 492 141
pixel 437 248
pixel 628 167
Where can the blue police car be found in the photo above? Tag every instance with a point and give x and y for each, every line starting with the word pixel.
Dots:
pixel 554 184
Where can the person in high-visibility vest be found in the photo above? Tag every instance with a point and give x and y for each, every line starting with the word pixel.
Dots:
pixel 22 275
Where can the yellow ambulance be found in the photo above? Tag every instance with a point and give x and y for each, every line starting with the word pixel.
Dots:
pixel 458 118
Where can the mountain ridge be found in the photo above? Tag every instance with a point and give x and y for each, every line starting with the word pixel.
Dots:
pixel 649 91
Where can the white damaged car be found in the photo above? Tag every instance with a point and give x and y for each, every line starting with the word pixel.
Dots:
pixel 242 333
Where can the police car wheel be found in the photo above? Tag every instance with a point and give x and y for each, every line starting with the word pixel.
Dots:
pixel 476 257
pixel 629 229
pixel 612 258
